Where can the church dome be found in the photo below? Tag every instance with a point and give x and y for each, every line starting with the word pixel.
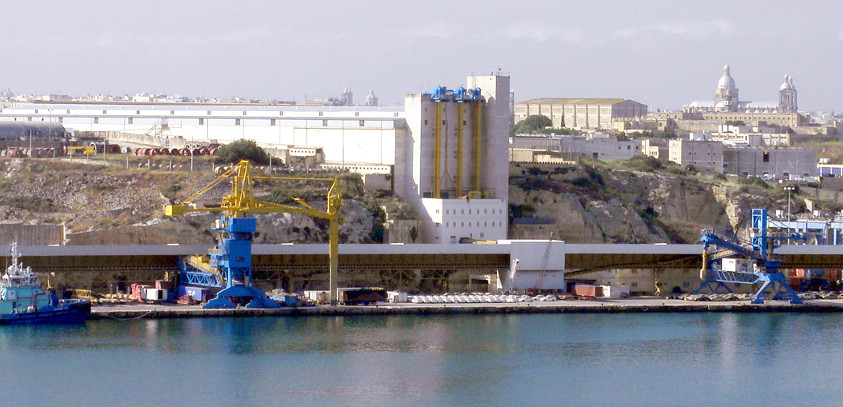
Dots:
pixel 787 84
pixel 726 80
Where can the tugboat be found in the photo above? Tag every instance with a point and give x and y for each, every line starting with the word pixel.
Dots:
pixel 22 301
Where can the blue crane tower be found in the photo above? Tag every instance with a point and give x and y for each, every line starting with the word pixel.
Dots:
pixel 761 249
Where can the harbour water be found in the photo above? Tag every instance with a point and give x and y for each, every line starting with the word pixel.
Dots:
pixel 688 359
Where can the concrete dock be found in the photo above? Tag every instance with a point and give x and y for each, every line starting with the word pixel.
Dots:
pixel 146 311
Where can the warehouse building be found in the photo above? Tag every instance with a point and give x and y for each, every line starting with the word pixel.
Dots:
pixel 582 113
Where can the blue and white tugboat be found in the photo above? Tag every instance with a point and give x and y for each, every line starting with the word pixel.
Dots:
pixel 22 301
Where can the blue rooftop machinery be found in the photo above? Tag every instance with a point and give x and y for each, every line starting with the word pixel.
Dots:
pixel 718 245
pixel 460 96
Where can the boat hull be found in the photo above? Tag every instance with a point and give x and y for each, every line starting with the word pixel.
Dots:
pixel 69 313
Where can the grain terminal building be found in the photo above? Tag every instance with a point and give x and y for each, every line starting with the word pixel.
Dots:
pixel 582 113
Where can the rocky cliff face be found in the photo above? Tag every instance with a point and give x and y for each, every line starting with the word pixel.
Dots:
pixel 596 205
pixel 109 205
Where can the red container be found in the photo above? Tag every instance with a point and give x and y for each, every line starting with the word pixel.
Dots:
pixel 586 290
pixel 212 151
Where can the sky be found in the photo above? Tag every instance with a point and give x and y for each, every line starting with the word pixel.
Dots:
pixel 661 53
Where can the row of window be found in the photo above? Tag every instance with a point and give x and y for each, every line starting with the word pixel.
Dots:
pixel 462 224
pixel 237 122
pixel 208 112
pixel 476 212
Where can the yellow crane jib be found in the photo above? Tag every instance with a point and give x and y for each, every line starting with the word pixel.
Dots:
pixel 233 254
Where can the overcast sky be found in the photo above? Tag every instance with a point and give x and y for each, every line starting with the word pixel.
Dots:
pixel 661 53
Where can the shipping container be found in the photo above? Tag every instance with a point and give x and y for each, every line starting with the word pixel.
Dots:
pixel 615 291
pixel 738 265
pixel 360 295
pixel 152 294
pixel 397 296
pixel 587 290
pixel 199 294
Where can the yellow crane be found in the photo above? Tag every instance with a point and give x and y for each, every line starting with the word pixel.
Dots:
pixel 233 255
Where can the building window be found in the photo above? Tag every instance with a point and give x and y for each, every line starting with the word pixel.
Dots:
pixel 61 119
pixel 172 112
pixel 320 114
pixel 209 112
pixel 362 123
pixel 68 111
pixel 201 121
pixel 634 284
pixel 485 211
pixel 272 122
pixel 462 224
pixel 766 156
pixel 485 224
pixel 437 211
pixel 324 123
pixel 131 120
pixel 236 122
pixel 103 112
pixel 96 120
pixel 36 111
pixel 425 122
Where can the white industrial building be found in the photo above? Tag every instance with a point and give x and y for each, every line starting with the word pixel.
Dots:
pixel 603 147
pixel 457 158
pixel 348 135
pixel 448 148
pixel 701 154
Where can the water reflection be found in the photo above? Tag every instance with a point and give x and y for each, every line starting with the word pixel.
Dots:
pixel 431 360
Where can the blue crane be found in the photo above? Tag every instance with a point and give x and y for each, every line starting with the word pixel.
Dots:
pixel 719 245
pixel 229 265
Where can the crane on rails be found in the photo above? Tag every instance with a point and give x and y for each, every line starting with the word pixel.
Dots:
pixel 718 245
pixel 232 258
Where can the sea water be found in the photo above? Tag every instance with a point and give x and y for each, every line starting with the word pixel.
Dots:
pixel 687 359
